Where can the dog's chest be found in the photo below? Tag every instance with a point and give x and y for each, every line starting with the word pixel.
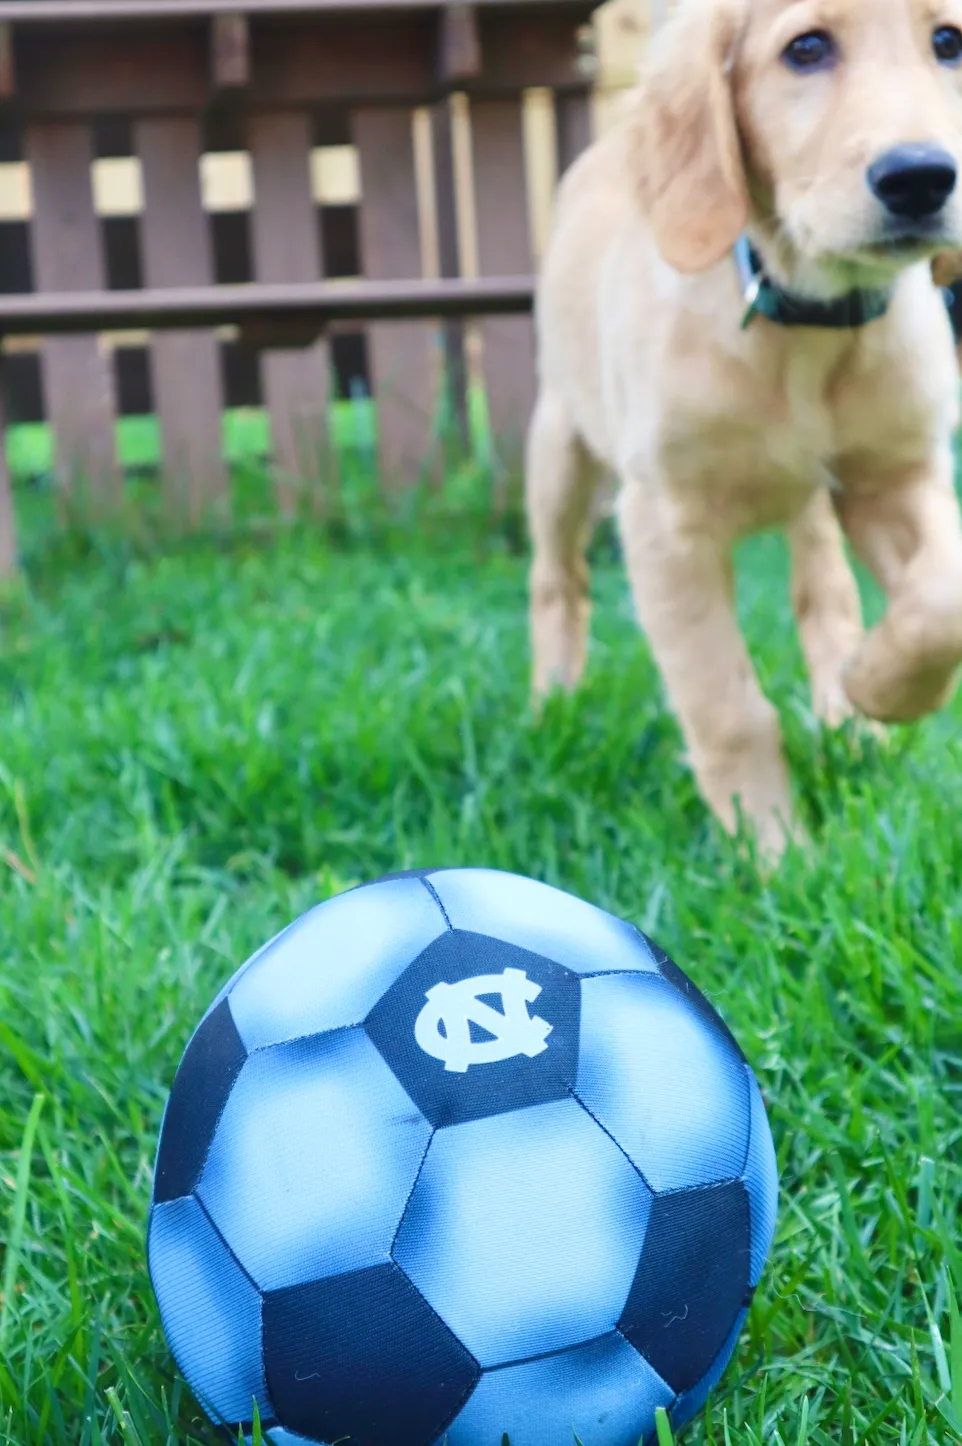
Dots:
pixel 756 443
pixel 761 439
pixel 799 431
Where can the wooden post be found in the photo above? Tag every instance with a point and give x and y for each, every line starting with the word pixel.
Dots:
pixel 230 51
pixel 459 45
pixel 504 248
pixel 286 248
pixel 65 242
pixel 403 354
pixel 8 524
pixel 185 364
pixel 459 61
pixel 449 255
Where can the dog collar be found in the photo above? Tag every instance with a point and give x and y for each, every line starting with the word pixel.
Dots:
pixel 786 308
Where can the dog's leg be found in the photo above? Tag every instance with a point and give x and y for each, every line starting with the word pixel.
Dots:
pixel 683 587
pixel 826 603
pixel 560 482
pixel 909 534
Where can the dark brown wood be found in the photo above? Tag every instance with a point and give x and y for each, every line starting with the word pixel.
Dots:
pixel 504 247
pixel 167 63
pixel 346 58
pixel 449 257
pixel 459 43
pixel 285 238
pixel 298 64
pixel 292 334
pixel 64 74
pixel 8 526
pixel 329 303
pixel 86 12
pixel 574 126
pixel 186 364
pixel 404 358
pixel 8 78
pixel 230 50
pixel 65 246
pixel 529 48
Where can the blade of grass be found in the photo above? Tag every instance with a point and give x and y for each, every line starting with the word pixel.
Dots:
pixel 955 1342
pixel 663 1428
pixel 18 1215
pixel 123 1418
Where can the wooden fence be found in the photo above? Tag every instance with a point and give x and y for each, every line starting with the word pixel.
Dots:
pixel 166 84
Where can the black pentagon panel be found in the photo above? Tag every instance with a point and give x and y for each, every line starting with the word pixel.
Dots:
pixel 669 970
pixel 206 1075
pixel 363 1357
pixel 691 1281
pixel 478 1027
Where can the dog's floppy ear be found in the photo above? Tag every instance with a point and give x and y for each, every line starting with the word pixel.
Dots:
pixel 685 142
pixel 947 268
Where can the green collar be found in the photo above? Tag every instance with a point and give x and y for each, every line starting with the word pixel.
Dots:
pixel 786 308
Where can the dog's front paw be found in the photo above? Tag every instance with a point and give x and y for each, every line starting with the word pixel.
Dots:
pixel 899 696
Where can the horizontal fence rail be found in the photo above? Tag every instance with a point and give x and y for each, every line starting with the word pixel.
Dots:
pixel 42 12
pixel 86 57
pixel 300 309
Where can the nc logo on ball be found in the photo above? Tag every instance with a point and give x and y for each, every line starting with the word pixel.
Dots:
pixel 454 1158
pixel 443 1028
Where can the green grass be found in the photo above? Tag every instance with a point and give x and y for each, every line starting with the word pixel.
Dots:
pixel 246 433
pixel 200 741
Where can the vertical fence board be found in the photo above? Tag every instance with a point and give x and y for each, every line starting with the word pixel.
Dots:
pixel 403 354
pixel 286 248
pixel 66 249
pixel 185 364
pixel 573 125
pixel 449 256
pixel 504 248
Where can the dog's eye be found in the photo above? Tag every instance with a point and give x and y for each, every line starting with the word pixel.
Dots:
pixel 947 44
pixel 815 50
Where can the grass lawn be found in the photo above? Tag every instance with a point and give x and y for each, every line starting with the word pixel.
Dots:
pixel 199 742
pixel 30 445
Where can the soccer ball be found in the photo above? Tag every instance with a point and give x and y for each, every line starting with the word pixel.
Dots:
pixel 458 1156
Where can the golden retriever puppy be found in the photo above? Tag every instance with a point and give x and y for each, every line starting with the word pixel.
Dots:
pixel 737 317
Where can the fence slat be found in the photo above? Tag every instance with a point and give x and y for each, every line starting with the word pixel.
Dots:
pixel 66 250
pixel 573 123
pixel 403 355
pixel 449 256
pixel 504 248
pixel 286 248
pixel 185 364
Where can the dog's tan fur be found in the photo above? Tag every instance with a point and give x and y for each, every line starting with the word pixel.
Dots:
pixel 714 432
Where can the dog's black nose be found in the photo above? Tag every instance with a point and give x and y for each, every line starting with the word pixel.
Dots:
pixel 914 180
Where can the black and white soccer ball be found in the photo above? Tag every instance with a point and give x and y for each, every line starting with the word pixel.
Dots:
pixel 459 1156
